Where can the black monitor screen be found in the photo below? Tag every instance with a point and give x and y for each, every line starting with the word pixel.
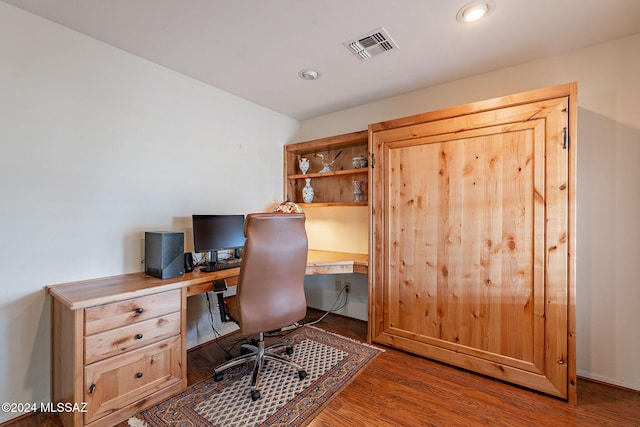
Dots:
pixel 215 232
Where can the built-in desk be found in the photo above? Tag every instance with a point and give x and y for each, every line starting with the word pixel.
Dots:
pixel 89 293
pixel 329 262
pixel 118 343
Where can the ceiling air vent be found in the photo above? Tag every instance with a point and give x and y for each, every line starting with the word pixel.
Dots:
pixel 371 44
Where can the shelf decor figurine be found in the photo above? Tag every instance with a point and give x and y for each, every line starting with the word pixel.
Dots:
pixel 303 164
pixel 357 191
pixel 359 162
pixel 307 191
pixel 326 164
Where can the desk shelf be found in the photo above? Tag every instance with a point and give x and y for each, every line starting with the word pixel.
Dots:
pixel 330 174
pixel 333 188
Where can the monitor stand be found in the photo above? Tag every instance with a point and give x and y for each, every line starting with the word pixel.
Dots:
pixel 213 257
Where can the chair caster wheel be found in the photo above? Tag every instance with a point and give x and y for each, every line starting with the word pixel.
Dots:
pixel 288 350
pixel 255 395
pixel 218 376
pixel 302 374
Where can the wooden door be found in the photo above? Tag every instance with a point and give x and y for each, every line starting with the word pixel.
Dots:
pixel 471 221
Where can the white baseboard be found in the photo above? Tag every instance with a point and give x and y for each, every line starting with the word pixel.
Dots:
pixel 606 380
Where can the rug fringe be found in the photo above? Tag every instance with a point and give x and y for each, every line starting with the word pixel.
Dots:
pixel 347 338
pixel 137 422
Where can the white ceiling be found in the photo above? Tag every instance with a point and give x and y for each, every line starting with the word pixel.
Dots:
pixel 255 48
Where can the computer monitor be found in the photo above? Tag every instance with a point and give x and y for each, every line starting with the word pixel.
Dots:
pixel 212 233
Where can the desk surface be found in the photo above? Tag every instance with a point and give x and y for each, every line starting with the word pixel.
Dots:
pixel 329 262
pixel 88 293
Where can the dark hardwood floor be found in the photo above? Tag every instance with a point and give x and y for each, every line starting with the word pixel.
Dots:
pixel 399 389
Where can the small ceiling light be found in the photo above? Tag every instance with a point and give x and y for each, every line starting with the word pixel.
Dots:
pixel 475 11
pixel 308 74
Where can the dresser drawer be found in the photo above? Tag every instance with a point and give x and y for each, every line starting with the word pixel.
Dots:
pixel 114 383
pixel 109 316
pixel 117 341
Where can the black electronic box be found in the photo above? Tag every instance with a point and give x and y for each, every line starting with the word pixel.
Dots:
pixel 164 254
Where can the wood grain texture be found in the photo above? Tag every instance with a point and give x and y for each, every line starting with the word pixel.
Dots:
pixel 96 292
pixel 551 92
pixel 470 222
pixel 122 380
pixel 572 229
pixel 330 188
pixel 474 276
pixel 328 260
pixel 339 141
pixel 208 285
pixel 121 313
pixel 109 343
pixel 66 358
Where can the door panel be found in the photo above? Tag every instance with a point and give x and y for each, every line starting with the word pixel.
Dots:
pixel 470 220
pixel 459 247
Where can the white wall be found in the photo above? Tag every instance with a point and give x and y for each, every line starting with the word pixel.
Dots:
pixel 608 271
pixel 324 292
pixel 96 147
pixel 344 229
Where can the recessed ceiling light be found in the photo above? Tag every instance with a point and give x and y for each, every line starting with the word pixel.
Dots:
pixel 475 11
pixel 308 74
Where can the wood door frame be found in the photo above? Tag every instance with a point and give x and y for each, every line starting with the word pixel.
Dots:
pixel 376 205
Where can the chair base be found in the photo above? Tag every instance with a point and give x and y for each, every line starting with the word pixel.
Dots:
pixel 259 355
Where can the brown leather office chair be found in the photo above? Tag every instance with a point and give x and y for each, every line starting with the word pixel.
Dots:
pixel 270 290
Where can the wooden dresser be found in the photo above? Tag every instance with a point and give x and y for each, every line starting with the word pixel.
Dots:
pixel 117 357
pixel 118 343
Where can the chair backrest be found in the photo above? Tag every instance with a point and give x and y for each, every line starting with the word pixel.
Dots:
pixel 270 289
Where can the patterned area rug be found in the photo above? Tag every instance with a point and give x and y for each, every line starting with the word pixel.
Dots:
pixel 331 361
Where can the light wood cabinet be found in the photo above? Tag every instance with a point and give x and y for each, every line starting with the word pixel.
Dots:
pixel 120 381
pixel 472 258
pixel 330 188
pixel 119 340
pixel 117 356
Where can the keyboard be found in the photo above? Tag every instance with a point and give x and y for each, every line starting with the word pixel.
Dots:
pixel 217 266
